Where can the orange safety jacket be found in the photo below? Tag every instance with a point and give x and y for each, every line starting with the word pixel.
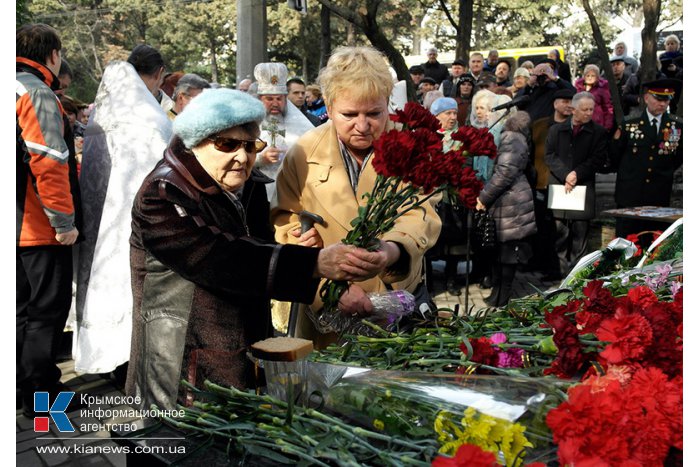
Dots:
pixel 45 204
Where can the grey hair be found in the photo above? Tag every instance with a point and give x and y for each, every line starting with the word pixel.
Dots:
pixel 190 81
pixel 490 100
pixel 580 96
pixel 672 37
pixel 519 121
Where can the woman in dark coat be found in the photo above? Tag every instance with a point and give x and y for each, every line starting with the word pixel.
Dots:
pixel 203 262
pixel 508 198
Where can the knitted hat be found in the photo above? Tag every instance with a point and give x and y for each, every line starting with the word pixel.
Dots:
pixel 521 72
pixel 271 78
pixel 213 111
pixel 442 104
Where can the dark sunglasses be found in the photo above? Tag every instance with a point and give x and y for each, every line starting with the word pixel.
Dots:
pixel 232 144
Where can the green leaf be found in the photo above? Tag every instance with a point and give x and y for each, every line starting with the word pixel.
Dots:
pixel 261 451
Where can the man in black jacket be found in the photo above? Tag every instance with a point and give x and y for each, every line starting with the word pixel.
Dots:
pixel 575 150
pixel 541 88
pixel 434 69
pixel 545 254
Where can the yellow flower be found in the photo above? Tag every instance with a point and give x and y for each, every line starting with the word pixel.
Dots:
pixel 378 424
pixel 501 437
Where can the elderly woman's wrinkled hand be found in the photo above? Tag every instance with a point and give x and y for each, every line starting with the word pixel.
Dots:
pixel 367 264
pixel 349 263
pixel 355 302
pixel 309 238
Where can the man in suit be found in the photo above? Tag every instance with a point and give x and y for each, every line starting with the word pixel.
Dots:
pixel 646 151
pixel 575 150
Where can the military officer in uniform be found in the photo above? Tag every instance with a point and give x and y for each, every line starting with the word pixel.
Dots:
pixel 646 151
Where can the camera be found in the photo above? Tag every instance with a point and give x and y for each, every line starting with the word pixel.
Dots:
pixel 541 79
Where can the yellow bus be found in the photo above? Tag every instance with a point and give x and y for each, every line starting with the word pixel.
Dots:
pixel 515 56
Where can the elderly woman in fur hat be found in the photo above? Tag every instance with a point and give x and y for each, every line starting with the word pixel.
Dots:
pixel 203 261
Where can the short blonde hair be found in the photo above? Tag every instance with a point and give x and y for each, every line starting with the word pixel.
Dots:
pixel 315 90
pixel 360 70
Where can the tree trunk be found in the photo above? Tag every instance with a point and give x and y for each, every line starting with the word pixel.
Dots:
pixel 479 25
pixel 605 62
pixel 647 65
pixel 325 36
pixel 350 35
pixel 464 31
pixel 367 21
pixel 214 65
pixel 415 44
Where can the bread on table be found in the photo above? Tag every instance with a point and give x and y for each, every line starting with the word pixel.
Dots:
pixel 282 349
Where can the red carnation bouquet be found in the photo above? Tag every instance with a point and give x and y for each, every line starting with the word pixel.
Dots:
pixel 411 166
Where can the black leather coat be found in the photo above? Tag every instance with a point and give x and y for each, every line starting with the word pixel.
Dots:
pixel 202 277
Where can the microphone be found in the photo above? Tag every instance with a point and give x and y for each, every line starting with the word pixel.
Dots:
pixel 516 101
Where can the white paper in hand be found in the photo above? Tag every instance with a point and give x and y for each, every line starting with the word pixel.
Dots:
pixel 558 198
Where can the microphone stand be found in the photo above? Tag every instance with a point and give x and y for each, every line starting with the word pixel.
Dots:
pixel 500 118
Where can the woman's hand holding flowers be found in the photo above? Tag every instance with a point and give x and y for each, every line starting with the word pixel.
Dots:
pixel 355 302
pixel 349 263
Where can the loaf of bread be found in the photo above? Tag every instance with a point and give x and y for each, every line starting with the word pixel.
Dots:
pixel 282 349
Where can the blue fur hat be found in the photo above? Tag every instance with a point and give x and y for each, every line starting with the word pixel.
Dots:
pixel 215 110
pixel 441 104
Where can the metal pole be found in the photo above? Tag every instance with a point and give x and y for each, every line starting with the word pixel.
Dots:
pixel 466 287
pixel 251 37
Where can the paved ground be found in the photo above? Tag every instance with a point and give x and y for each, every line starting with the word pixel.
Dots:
pixel 80 443
pixel 526 283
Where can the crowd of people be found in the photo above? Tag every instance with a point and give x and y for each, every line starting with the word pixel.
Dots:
pixel 572 135
pixel 179 203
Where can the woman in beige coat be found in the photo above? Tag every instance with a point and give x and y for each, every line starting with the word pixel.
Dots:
pixel 329 170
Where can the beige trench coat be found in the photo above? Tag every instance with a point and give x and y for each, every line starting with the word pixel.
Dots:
pixel 313 178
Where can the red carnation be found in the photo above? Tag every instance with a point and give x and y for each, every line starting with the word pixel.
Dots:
pixel 628 337
pixel 599 299
pixel 393 153
pixel 476 141
pixel 416 116
pixel 467 455
pixel 619 420
pixel 642 297
pixel 484 352
pixel 570 356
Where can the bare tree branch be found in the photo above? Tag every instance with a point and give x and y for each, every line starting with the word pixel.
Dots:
pixel 444 8
pixel 603 52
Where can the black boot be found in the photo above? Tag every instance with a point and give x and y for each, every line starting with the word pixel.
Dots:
pixel 505 288
pixel 492 299
pixel 453 288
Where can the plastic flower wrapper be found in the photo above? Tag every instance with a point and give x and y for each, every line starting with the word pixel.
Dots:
pixel 601 262
pixel 503 415
pixel 669 245
pixel 411 167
